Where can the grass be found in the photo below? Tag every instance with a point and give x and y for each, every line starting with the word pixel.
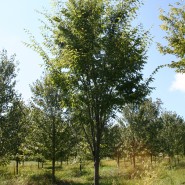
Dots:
pixel 144 174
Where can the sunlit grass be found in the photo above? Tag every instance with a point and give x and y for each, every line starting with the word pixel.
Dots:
pixel 69 174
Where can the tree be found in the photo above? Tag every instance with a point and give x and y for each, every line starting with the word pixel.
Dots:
pixel 145 125
pixel 172 142
pixel 173 24
pixel 113 142
pixel 7 97
pixel 19 127
pixel 51 126
pixel 133 142
pixel 98 59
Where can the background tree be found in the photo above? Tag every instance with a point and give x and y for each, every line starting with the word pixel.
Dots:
pixel 51 126
pixel 133 141
pixel 19 127
pixel 37 141
pixel 145 124
pixel 173 24
pixel 7 96
pixel 112 145
pixel 172 134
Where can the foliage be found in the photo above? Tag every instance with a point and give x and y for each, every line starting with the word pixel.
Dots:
pixel 172 142
pixel 98 60
pixel 8 102
pixel 144 123
pixel 173 24
pixel 51 137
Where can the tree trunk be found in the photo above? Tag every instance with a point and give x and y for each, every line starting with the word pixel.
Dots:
pixel 38 164
pixel 80 166
pixel 53 150
pixel 96 170
pixel 17 167
pixel 134 160
pixel 118 160
pixel 151 158
pixel 53 170
pixel 96 154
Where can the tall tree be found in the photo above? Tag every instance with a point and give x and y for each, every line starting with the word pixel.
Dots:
pixel 173 24
pixel 98 58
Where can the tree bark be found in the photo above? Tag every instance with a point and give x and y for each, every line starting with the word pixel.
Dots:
pixel 134 160
pixel 17 167
pixel 80 166
pixel 96 170
pixel 53 150
pixel 97 157
pixel 118 160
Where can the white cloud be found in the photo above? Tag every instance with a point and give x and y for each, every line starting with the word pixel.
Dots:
pixel 179 83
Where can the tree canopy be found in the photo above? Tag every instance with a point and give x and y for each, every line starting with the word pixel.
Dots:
pixel 99 57
pixel 173 25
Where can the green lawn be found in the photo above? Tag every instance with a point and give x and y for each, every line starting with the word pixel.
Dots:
pixel 144 174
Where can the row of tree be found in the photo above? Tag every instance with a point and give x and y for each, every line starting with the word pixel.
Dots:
pixel 94 61
pixel 47 129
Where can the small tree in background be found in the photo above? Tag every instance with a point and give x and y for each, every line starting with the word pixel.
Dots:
pixel 19 128
pixel 172 134
pixel 143 121
pixel 7 97
pixel 51 126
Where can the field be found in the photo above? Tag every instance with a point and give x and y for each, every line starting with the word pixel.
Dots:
pixel 159 173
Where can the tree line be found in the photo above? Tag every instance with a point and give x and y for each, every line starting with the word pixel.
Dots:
pixel 94 59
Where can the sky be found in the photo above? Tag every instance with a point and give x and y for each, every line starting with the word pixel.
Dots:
pixel 16 16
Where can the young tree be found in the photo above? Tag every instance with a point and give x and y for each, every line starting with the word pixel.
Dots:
pixel 7 96
pixel 19 127
pixel 145 125
pixel 173 24
pixel 172 142
pixel 98 58
pixel 51 125
pixel 113 142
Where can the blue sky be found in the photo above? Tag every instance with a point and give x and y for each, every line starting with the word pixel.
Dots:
pixel 15 16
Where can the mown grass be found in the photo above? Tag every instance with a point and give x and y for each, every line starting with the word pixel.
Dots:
pixel 144 174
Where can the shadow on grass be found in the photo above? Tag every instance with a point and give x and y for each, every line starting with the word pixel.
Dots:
pixel 181 165
pixel 46 179
pixel 75 172
pixel 56 167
